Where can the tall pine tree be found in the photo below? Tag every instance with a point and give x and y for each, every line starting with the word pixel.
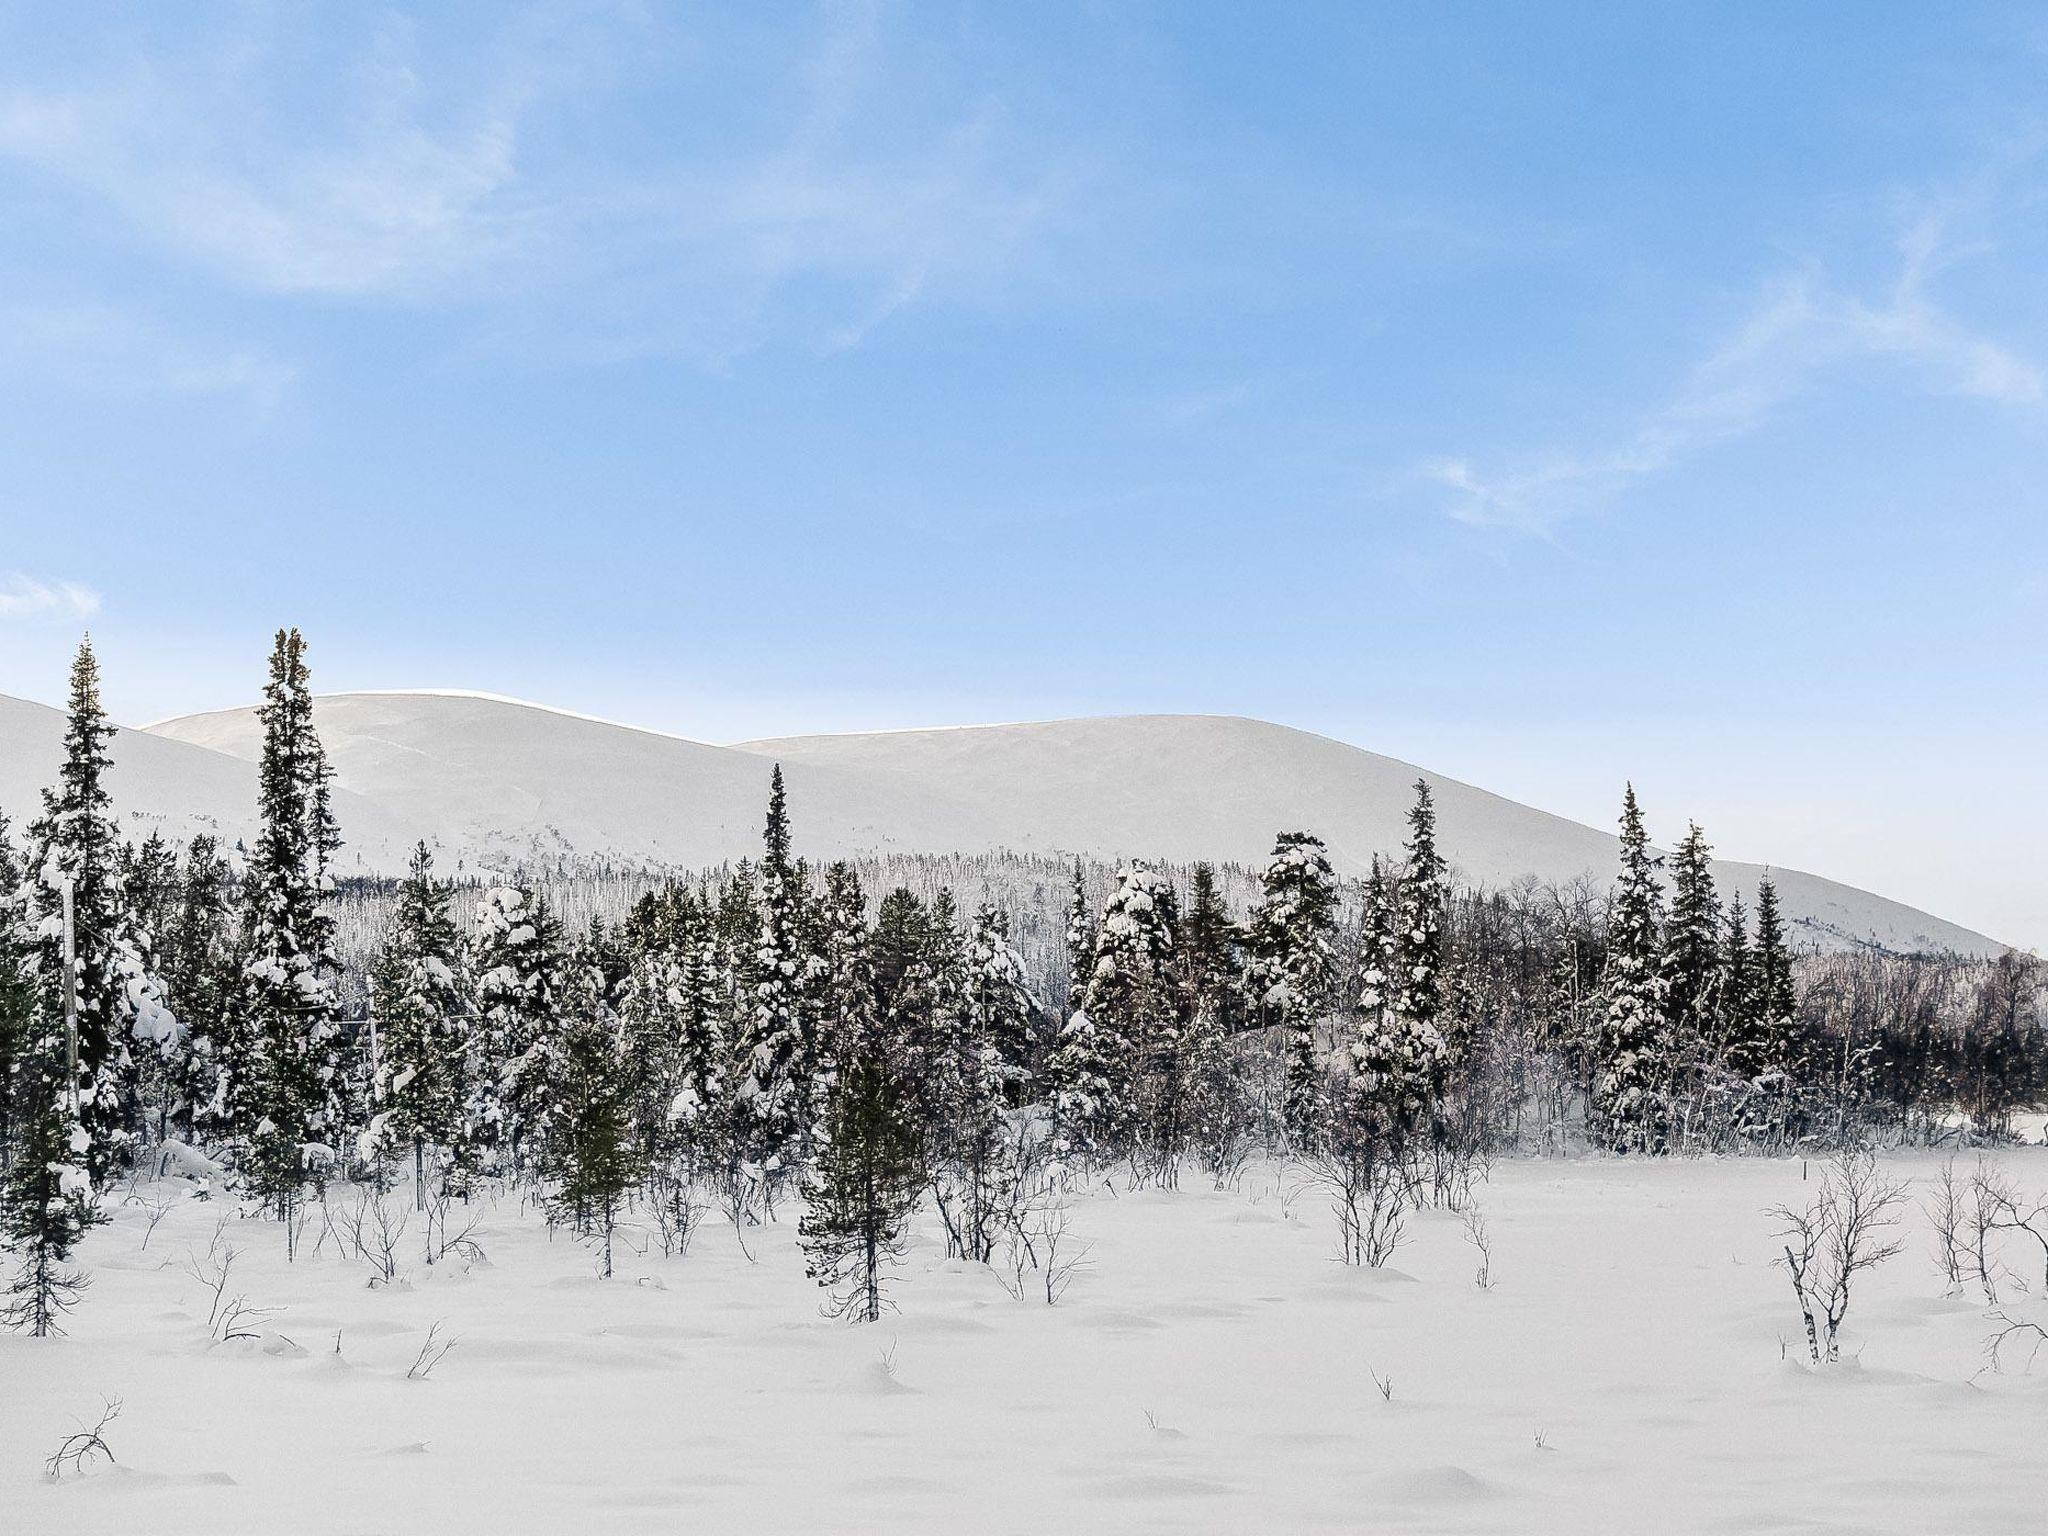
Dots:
pixel 1628 1089
pixel 288 997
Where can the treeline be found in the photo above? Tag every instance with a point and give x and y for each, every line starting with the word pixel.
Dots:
pixel 777 1031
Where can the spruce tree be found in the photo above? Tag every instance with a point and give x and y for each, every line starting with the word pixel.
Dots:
pixel 1736 1010
pixel 1093 1069
pixel 1294 966
pixel 1214 946
pixel 48 1201
pixel 1628 1103
pixel 999 1000
pixel 978 1031
pixel 420 998
pixel 590 1147
pixel 1419 927
pixel 1692 951
pixel 1390 1089
pixel 17 1000
pixel 288 994
pixel 1777 1000
pixel 196 959
pixel 1080 940
pixel 118 999
pixel 864 1185
pixel 779 1046
pixel 521 982
pixel 846 983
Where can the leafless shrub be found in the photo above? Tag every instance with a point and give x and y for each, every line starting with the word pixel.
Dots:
pixel 1040 1255
pixel 1948 1210
pixel 76 1451
pixel 2005 1209
pixel 1370 1189
pixel 158 1209
pixel 1481 1238
pixel 1384 1383
pixel 1836 1238
pixel 373 1228
pixel 432 1351
pixel 443 1236
pixel 1985 1193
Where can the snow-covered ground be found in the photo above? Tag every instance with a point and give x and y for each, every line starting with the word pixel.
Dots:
pixel 1211 1369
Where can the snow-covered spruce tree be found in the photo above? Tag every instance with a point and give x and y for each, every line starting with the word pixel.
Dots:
pixel 1692 959
pixel 1000 1001
pixel 1628 1091
pixel 590 1155
pixel 1214 946
pixel 1080 940
pixel 1093 1069
pixel 287 995
pixel 197 963
pixel 1735 998
pixel 974 1172
pixel 1293 968
pixel 48 1201
pixel 118 999
pixel 1765 1045
pixel 845 988
pixel 421 1003
pixel 1418 979
pixel 779 1044
pixel 17 998
pixel 521 978
pixel 864 1183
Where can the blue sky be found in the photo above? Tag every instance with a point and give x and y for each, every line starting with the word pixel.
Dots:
pixel 1544 394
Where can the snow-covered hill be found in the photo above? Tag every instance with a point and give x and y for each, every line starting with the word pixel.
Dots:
pixel 160 784
pixel 498 781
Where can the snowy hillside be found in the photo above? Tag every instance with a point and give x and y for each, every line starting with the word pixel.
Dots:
pixel 163 785
pixel 496 780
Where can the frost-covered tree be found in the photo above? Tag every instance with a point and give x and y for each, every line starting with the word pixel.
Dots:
pixel 779 1045
pixel 1418 976
pixel 1080 935
pixel 1215 951
pixel 1692 950
pixel 590 1154
pixel 845 989
pixel 974 1071
pixel 1294 965
pixel 288 1000
pixel 521 983
pixel 48 1201
pixel 1388 1089
pixel 1735 998
pixel 1093 1069
pixel 118 999
pixel 999 1001
pixel 1628 1089
pixel 864 1184
pixel 1776 998
pixel 17 998
pixel 196 959
pixel 421 1004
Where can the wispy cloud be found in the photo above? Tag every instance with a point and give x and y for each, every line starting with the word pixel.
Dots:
pixel 419 183
pixel 1801 330
pixel 117 351
pixel 28 599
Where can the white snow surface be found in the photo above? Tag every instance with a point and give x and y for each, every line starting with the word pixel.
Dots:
pixel 494 780
pixel 1211 1370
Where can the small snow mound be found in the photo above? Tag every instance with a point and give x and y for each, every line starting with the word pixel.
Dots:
pixel 1446 1484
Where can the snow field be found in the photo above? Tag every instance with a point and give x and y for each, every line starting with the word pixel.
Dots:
pixel 1211 1369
